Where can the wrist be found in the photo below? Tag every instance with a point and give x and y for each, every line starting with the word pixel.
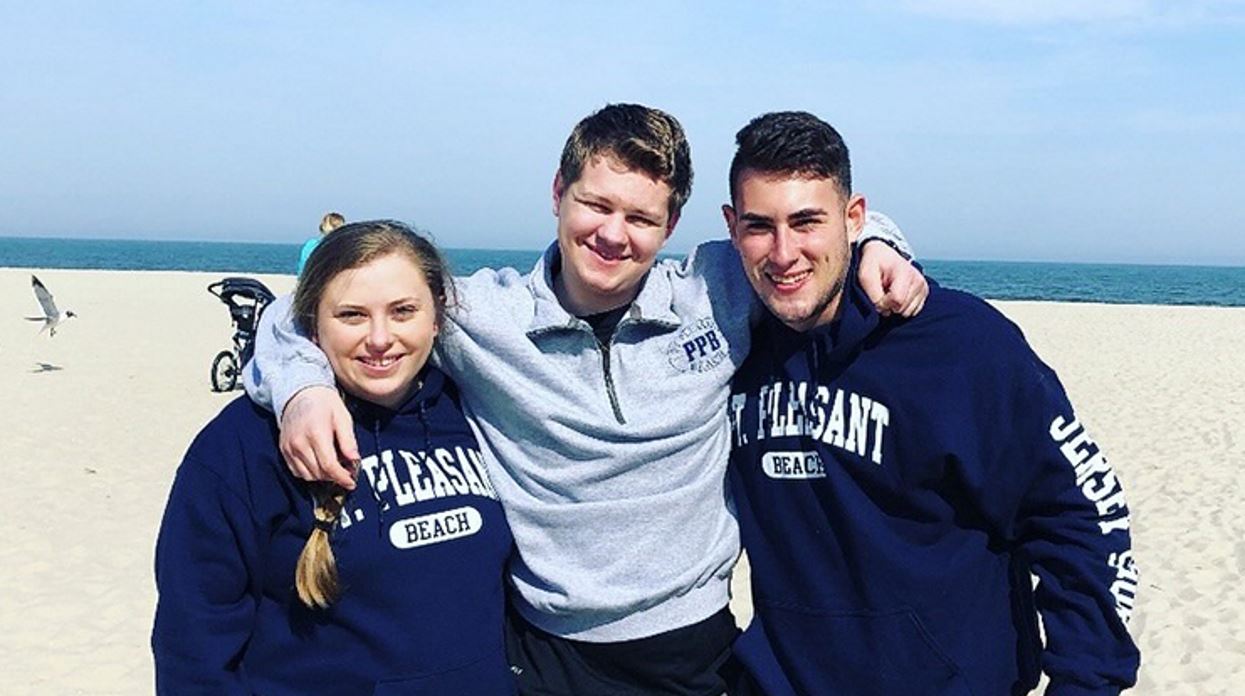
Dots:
pixel 293 395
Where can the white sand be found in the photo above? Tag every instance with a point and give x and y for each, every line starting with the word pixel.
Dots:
pixel 98 417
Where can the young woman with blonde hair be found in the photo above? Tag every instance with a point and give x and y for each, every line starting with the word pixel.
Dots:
pixel 268 584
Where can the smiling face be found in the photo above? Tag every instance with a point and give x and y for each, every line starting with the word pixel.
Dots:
pixel 376 323
pixel 792 232
pixel 612 222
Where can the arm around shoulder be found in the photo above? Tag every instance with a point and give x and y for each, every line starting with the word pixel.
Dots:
pixel 892 282
pixel 880 228
pixel 285 361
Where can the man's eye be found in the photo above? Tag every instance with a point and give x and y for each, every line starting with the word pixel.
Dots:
pixel 597 207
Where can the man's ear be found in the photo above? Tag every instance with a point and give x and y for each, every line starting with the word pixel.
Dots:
pixel 557 191
pixel 674 220
pixel 854 216
pixel 728 214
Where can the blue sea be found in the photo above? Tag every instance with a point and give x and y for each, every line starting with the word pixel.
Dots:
pixel 1002 280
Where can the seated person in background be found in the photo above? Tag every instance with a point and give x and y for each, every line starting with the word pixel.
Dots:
pixel 898 481
pixel 272 585
pixel 328 223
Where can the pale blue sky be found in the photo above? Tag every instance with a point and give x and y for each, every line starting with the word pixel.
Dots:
pixel 1111 130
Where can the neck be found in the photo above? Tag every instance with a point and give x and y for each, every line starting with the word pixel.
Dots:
pixel 580 301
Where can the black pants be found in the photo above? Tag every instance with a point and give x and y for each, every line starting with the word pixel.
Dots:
pixel 690 661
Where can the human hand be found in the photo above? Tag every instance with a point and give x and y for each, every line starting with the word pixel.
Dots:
pixel 891 282
pixel 315 420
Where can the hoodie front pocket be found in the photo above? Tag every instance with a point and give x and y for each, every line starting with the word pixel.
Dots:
pixel 859 652
pixel 489 676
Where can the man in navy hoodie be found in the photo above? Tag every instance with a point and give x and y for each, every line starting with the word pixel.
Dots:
pixel 899 483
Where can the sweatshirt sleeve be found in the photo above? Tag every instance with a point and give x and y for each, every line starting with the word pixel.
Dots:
pixel 285 361
pixel 879 227
pixel 1071 526
pixel 205 612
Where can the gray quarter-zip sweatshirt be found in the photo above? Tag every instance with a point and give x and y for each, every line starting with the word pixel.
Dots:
pixel 610 464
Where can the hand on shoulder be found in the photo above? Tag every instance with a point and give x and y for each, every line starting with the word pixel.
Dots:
pixel 892 282
pixel 317 435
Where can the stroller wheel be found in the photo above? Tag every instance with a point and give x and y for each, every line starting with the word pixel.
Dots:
pixel 224 371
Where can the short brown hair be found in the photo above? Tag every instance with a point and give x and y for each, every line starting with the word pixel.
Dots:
pixel 641 138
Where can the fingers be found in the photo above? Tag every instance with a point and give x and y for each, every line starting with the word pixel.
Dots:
pixel 872 285
pixel 870 277
pixel 343 434
pixel 294 460
pixel 916 298
pixel 906 290
pixel 880 266
pixel 313 421
pixel 343 430
pixel 326 466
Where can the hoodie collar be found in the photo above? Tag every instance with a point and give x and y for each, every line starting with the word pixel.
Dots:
pixel 856 320
pixel 431 383
pixel 653 304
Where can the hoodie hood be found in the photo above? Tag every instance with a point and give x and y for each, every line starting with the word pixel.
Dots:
pixel 429 385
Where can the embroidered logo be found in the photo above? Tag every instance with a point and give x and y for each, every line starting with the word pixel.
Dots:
pixel 698 347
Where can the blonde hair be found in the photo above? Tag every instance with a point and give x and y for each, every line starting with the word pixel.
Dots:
pixel 315 576
pixel 330 222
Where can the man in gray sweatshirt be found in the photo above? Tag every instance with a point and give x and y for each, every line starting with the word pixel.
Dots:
pixel 598 384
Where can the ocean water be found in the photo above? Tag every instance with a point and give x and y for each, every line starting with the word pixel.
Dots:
pixel 1003 280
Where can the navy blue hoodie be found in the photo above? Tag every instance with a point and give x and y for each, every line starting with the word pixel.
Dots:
pixel 420 547
pixel 896 483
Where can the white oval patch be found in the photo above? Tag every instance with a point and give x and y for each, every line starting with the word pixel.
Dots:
pixel 435 528
pixel 793 465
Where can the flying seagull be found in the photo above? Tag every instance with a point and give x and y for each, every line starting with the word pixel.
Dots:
pixel 51 315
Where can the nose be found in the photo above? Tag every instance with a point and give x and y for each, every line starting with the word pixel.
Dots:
pixel 784 251
pixel 613 231
pixel 379 337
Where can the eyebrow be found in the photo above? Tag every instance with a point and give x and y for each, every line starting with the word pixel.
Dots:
pixel 411 299
pixel 797 216
pixel 806 214
pixel 588 194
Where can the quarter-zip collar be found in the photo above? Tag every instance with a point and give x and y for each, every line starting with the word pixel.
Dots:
pixel 653 304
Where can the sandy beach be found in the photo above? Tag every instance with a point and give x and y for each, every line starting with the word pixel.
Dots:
pixel 97 418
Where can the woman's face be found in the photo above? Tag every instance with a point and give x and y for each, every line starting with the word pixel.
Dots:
pixel 376 323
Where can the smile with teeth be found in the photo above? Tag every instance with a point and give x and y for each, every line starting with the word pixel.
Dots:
pixel 379 362
pixel 787 279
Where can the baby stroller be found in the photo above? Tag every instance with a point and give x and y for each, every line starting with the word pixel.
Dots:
pixel 246 299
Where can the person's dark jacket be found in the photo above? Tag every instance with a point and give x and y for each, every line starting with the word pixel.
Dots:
pixel 896 483
pixel 420 549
